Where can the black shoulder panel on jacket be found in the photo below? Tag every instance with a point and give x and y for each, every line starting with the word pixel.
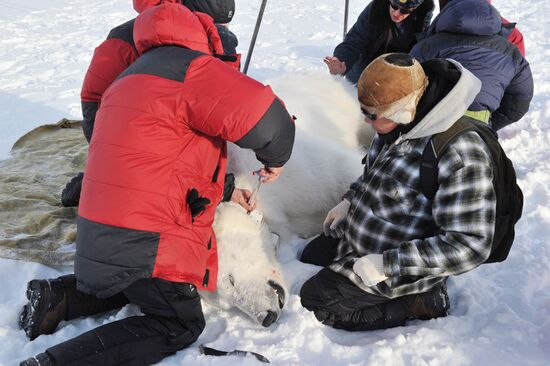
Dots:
pixel 272 138
pixel 124 32
pixel 170 62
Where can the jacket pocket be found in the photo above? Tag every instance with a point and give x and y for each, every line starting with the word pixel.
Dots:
pixel 205 188
pixel 394 201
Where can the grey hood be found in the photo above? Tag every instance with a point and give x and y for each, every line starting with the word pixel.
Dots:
pixel 449 109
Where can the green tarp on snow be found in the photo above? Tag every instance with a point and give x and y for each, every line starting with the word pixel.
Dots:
pixel 34 225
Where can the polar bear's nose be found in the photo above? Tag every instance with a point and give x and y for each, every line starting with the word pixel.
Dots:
pixel 269 318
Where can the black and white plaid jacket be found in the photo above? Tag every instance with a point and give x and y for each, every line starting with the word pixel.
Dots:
pixel 422 241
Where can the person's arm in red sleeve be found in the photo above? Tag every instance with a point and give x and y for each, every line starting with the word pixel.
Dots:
pixel 110 58
pixel 239 109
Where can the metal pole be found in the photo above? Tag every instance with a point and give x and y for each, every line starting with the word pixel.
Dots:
pixel 346 14
pixel 254 36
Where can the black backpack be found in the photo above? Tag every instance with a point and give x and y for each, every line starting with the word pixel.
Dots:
pixel 508 194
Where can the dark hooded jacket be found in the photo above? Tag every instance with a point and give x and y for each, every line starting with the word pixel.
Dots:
pixel 160 135
pixel 468 31
pixel 375 33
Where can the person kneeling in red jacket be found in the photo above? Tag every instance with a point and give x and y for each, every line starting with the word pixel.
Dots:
pixel 154 176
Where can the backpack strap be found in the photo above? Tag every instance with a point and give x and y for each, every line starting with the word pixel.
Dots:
pixel 435 147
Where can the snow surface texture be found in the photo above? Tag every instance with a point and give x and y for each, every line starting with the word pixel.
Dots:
pixel 500 314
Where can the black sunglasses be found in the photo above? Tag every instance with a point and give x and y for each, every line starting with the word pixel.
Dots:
pixel 371 116
pixel 402 9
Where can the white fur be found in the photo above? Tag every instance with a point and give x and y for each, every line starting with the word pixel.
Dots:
pixel 313 181
pixel 326 158
pixel 247 263
pixel 326 106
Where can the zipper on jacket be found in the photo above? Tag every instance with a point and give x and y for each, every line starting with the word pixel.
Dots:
pixel 206 278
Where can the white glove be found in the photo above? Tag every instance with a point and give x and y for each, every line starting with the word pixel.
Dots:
pixel 335 217
pixel 370 268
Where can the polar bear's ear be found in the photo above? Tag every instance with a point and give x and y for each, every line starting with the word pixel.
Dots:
pixel 280 291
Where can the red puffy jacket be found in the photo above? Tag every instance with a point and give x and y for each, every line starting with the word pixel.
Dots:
pixel 112 57
pixel 161 132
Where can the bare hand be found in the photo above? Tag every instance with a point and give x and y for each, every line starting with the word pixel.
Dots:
pixel 335 66
pixel 270 174
pixel 242 196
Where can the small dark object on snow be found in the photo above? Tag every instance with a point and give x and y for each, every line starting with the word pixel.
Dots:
pixel 214 352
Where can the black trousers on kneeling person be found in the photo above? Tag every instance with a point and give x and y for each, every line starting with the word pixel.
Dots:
pixel 336 301
pixel 172 320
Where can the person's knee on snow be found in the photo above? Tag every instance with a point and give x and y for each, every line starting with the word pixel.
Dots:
pixel 320 251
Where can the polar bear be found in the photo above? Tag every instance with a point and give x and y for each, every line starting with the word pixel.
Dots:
pixel 325 160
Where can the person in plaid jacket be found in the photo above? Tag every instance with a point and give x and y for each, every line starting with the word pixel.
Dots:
pixel 388 250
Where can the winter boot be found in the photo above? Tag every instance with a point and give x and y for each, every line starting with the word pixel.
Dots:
pixel 42 359
pixel 370 318
pixel 46 308
pixel 429 305
pixel 70 197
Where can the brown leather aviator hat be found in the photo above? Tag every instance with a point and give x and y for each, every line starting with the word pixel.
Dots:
pixel 391 86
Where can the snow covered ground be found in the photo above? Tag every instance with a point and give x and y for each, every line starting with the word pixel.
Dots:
pixel 500 314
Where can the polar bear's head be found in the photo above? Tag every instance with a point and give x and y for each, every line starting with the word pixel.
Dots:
pixel 249 276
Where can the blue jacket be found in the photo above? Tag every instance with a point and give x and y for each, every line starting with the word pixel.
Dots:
pixel 375 33
pixel 468 32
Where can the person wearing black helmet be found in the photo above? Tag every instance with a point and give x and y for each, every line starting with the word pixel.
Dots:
pixel 384 26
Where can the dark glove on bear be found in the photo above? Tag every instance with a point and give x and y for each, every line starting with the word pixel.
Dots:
pixel 197 204
pixel 70 197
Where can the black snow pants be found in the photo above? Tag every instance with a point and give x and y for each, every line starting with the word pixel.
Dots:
pixel 337 302
pixel 173 320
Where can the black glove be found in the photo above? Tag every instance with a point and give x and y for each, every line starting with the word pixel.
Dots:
pixel 70 197
pixel 197 204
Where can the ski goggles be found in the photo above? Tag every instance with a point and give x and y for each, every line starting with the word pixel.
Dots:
pixel 371 116
pixel 395 5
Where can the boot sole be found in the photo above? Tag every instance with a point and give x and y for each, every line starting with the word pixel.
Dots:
pixel 34 312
